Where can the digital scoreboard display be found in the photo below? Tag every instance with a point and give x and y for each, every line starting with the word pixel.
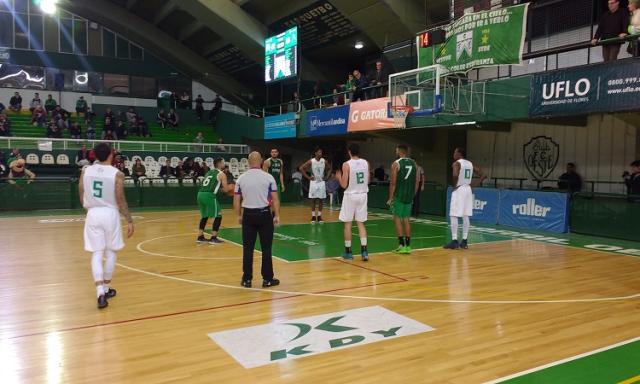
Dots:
pixel 281 56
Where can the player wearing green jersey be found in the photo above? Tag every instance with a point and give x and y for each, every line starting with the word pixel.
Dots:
pixel 275 167
pixel 215 181
pixel 403 187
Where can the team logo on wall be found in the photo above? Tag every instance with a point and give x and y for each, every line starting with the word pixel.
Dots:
pixel 540 156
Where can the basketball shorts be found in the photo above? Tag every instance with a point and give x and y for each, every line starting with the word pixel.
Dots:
pixel 400 209
pixel 354 207
pixel 102 230
pixel 461 202
pixel 317 190
pixel 208 205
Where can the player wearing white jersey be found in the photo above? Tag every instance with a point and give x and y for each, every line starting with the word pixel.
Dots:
pixel 101 190
pixel 354 178
pixel 317 189
pixel 462 197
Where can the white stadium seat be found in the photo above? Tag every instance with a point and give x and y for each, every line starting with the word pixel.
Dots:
pixel 209 161
pixel 244 160
pixel 198 160
pixel 128 181
pixel 47 159
pixel 187 181
pixel 174 161
pixel 162 159
pixel 149 159
pixel 172 181
pixel 62 159
pixel 136 157
pixel 32 158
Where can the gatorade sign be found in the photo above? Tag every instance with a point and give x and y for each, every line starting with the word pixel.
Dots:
pixel 370 115
pixel 285 340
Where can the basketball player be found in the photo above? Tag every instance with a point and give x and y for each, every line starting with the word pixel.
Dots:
pixel 214 181
pixel 317 190
pixel 462 197
pixel 402 189
pixel 101 190
pixel 274 167
pixel 354 178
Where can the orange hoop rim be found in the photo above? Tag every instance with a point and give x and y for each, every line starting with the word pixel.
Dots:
pixel 407 108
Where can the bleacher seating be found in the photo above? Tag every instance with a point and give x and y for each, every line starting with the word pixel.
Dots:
pixel 33 159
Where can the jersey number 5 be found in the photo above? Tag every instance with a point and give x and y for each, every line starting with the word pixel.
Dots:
pixel 97 189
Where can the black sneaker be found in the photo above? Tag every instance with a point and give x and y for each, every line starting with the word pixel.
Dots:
pixel 313 219
pixel 201 239
pixel 246 283
pixel 215 240
pixel 110 293
pixel 270 283
pixel 464 244
pixel 319 220
pixel 102 302
pixel 452 245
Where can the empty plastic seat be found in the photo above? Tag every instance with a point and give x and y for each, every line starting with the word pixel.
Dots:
pixel 47 159
pixel 62 159
pixel 32 158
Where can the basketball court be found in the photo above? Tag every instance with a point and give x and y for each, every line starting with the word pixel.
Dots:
pixel 508 309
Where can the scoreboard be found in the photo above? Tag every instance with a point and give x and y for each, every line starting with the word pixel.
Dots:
pixel 281 56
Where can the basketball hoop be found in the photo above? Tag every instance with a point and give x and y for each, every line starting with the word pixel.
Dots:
pixel 400 113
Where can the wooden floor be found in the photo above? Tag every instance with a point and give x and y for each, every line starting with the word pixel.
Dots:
pixel 172 293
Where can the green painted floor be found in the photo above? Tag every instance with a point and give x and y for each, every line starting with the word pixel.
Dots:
pixel 297 242
pixel 620 364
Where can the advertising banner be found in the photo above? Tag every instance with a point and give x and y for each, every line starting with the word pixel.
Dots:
pixel 280 126
pixel 486 203
pixel 370 115
pixel 545 211
pixel 328 121
pixel 613 86
pixel 479 39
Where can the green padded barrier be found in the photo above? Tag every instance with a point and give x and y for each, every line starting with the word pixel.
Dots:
pixel 606 215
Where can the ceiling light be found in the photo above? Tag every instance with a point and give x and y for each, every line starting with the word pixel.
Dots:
pixel 359 45
pixel 49 6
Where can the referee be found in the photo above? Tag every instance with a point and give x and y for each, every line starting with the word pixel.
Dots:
pixel 255 189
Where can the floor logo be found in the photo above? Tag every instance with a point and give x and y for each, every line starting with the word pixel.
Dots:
pixel 281 341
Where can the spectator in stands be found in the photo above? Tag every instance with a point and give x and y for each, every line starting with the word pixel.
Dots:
pixel 187 167
pixel 123 169
pixel 350 86
pixel 215 110
pixel 81 107
pixel 199 107
pixel 333 188
pixel 338 99
pixel 53 130
pixel 50 104
pixel 359 82
pixel 634 26
pixel 138 171
pixel 379 174
pixel 35 102
pixel 143 127
pixel 173 100
pixel 632 180
pixel 108 134
pixel 5 126
pixel 294 104
pixel 162 119
pixel 15 155
pixel 173 119
pixel 179 170
pixel 121 130
pixel 63 120
pixel 88 117
pixel 108 113
pixel 15 103
pixel 185 101
pixel 196 170
pixel 108 124
pixel 167 171
pixel 19 174
pixel 2 108
pixel 379 79
pixel 131 116
pixel 570 181
pixel 91 132
pixel 75 130
pixel 220 146
pixel 199 139
pixel 82 156
pixel 227 172
pixel 613 23
pixel 38 116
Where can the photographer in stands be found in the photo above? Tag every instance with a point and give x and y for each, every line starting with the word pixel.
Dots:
pixel 632 181
pixel 570 181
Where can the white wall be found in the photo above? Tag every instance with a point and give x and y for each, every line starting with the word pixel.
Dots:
pixel 602 150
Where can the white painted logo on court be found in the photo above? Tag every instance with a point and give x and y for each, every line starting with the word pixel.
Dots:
pixel 292 339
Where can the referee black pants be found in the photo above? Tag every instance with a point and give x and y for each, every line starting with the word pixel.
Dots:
pixel 257 222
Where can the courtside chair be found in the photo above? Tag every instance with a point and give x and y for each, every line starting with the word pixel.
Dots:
pixel 33 159
pixel 62 159
pixel 47 159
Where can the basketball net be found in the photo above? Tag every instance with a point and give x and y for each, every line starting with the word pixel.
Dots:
pixel 400 113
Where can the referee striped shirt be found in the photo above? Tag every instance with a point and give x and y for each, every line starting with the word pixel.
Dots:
pixel 255 187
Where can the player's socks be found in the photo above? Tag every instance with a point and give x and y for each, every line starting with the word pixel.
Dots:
pixel 99 290
pixel 401 241
pixel 319 219
pixel 407 241
pixel 313 217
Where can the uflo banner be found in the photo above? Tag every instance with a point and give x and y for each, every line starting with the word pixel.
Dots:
pixel 479 39
pixel 370 115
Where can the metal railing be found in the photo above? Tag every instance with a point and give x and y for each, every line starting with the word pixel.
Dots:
pixel 46 144
pixel 588 186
